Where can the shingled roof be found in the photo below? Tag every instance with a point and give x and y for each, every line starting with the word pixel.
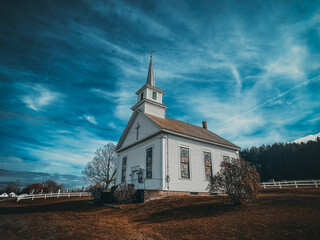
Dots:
pixel 190 130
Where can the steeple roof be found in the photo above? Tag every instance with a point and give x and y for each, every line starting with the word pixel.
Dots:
pixel 150 77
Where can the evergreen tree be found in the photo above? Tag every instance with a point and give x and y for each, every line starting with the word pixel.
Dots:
pixel 285 161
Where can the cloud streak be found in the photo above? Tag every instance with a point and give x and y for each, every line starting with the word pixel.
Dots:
pixel 39 97
pixel 90 119
pixel 272 99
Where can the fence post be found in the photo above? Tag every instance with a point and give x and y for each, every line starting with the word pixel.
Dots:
pixel 58 193
pixel 295 183
pixel 315 183
pixel 45 196
pixel 264 185
pixel 32 196
pixel 68 195
pixel 280 185
pixel 80 194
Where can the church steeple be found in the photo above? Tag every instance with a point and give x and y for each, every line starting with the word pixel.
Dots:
pixel 149 97
pixel 150 77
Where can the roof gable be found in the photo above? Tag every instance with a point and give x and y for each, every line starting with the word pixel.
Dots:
pixel 146 129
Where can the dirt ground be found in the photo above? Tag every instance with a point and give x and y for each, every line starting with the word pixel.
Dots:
pixel 277 214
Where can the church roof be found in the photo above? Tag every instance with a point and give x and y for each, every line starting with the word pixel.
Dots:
pixel 190 130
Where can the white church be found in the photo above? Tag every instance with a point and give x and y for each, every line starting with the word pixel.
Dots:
pixel 164 155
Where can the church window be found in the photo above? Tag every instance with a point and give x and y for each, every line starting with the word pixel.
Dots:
pixel 207 165
pixel 124 168
pixel 226 158
pixel 154 95
pixel 184 162
pixel 141 96
pixel 149 163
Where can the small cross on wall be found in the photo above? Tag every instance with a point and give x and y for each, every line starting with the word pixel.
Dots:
pixel 137 127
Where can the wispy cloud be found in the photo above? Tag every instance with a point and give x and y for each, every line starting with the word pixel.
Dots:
pixel 38 97
pixel 274 98
pixel 290 64
pixel 90 119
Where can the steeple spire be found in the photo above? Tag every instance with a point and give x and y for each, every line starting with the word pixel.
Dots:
pixel 149 97
pixel 150 77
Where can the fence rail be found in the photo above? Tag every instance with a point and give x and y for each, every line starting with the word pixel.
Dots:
pixel 56 195
pixel 295 184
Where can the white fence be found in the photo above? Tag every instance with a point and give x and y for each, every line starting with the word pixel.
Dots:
pixel 56 195
pixel 295 184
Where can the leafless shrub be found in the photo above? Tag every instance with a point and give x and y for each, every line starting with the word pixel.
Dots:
pixel 238 179
pixel 124 193
pixel 96 191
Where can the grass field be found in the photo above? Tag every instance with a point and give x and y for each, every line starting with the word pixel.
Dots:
pixel 277 214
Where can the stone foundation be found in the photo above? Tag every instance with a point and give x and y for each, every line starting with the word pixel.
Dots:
pixel 156 194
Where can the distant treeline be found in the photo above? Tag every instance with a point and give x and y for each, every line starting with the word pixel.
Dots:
pixel 286 161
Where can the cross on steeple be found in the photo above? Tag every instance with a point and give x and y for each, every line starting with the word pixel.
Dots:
pixel 151 51
pixel 137 127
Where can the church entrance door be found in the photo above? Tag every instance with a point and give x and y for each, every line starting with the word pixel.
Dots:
pixel 135 176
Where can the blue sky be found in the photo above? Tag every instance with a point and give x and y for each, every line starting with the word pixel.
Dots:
pixel 249 68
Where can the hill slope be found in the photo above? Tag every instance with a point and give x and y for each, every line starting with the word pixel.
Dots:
pixel 285 214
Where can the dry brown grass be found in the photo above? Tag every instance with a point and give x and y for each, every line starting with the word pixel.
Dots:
pixel 277 214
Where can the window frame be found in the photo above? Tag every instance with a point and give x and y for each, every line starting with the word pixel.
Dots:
pixel 124 173
pixel 225 155
pixel 205 166
pixel 154 95
pixel 189 162
pixel 141 96
pixel 147 148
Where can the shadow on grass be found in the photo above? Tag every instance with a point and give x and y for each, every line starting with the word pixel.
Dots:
pixel 79 206
pixel 294 191
pixel 194 211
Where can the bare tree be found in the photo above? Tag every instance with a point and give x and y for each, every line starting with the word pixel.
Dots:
pixel 102 169
pixel 238 179
pixel 12 187
pixel 52 185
